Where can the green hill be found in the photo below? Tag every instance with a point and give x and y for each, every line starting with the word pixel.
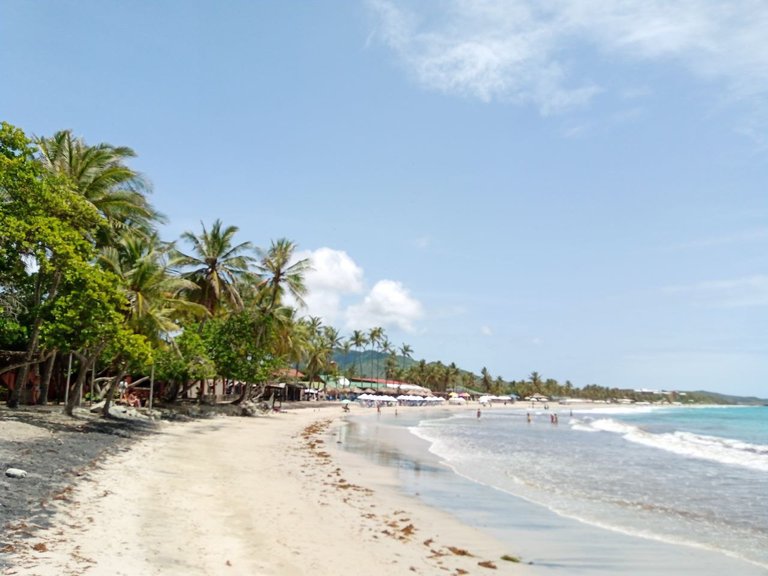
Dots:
pixel 368 363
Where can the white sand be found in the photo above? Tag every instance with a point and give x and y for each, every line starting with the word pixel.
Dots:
pixel 256 496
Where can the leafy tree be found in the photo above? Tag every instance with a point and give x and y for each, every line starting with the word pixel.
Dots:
pixel 90 319
pixel 45 228
pixel 182 361
pixel 242 347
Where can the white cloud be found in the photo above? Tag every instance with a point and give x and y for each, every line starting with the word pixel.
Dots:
pixel 337 292
pixel 521 50
pixel 333 275
pixel 748 292
pixel 333 270
pixel 389 304
pixel 486 331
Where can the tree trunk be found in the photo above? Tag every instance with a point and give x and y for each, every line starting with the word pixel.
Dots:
pixel 171 393
pixel 34 338
pixel 111 392
pixel 45 381
pixel 74 393
pixel 245 394
pixel 14 395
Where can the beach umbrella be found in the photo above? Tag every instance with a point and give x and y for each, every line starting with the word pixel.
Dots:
pixel 345 401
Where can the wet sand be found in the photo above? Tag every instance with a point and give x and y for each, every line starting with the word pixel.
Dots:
pixel 555 545
pixel 293 493
pixel 247 496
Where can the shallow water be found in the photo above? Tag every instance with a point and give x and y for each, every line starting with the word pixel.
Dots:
pixel 686 488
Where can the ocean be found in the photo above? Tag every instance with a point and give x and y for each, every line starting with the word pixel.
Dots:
pixel 607 487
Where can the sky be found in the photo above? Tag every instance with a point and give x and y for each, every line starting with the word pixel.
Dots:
pixel 575 188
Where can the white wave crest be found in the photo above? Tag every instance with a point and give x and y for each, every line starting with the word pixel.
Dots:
pixel 712 448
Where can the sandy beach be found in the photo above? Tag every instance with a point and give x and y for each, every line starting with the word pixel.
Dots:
pixel 245 496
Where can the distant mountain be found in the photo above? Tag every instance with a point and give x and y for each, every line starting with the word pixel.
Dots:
pixel 718 398
pixel 368 363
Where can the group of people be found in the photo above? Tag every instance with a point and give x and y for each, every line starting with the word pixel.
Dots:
pixel 552 417
pixel 128 396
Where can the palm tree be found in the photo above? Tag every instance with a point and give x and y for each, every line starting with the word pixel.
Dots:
pixel 217 265
pixel 279 275
pixel 359 341
pixel 374 338
pixel 154 295
pixel 386 348
pixel 332 337
pixel 291 337
pixel 406 352
pixel 486 379
pixel 100 175
pixel 453 373
pixel 535 379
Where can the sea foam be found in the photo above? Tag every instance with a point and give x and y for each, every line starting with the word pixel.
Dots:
pixel 713 448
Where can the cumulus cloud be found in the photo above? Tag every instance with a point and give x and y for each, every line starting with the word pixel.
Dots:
pixel 388 304
pixel 521 50
pixel 337 293
pixel 333 275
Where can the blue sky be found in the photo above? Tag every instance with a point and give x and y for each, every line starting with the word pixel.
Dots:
pixel 578 190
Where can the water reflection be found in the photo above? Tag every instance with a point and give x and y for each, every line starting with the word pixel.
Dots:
pixel 387 445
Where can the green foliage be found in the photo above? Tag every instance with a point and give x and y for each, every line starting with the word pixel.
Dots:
pixel 242 345
pixel 87 312
pixel 186 359
pixel 13 335
pixel 82 269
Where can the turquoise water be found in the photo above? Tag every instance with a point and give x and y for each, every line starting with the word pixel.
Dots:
pixel 694 478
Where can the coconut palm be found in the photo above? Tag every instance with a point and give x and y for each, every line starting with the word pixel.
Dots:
pixel 374 338
pixel 280 275
pixel 100 175
pixel 406 352
pixel 386 347
pixel 154 295
pixel 359 341
pixel 217 266
pixel 486 379
pixel 536 381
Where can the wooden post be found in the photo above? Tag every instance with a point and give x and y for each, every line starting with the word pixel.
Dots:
pixel 151 387
pixel 69 374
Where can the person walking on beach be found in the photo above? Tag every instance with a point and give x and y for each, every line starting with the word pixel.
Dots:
pixel 478 412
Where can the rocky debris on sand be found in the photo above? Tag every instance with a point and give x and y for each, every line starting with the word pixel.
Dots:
pixel 16 473
pixel 247 408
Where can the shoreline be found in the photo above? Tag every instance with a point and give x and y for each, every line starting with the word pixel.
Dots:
pixel 287 494
pixel 554 543
pixel 249 496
